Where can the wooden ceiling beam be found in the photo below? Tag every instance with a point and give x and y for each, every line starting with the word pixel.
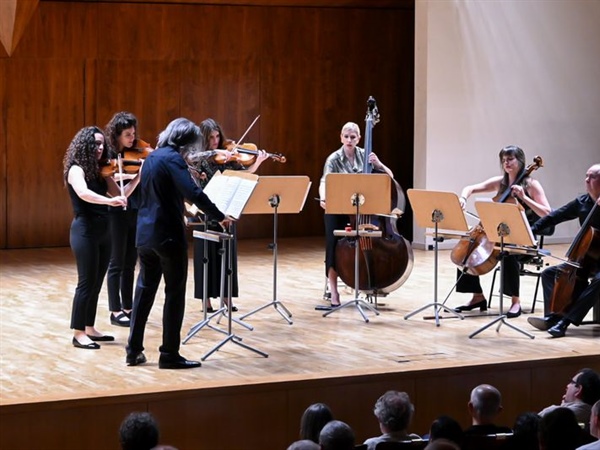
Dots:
pixel 14 17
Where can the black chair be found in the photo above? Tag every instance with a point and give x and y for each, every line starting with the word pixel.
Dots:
pixel 529 267
pixel 486 441
pixel 405 445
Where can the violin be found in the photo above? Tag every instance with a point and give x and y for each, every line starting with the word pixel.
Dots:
pixel 245 154
pixel 131 161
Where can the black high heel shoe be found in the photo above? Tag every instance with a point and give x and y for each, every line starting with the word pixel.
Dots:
pixel 481 304
pixel 512 315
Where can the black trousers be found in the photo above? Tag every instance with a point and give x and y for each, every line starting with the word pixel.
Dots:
pixel 123 257
pixel 89 239
pixel 170 260
pixel 332 222
pixel 512 282
pixel 587 294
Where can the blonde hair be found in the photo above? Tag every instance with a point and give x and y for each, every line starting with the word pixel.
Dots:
pixel 351 126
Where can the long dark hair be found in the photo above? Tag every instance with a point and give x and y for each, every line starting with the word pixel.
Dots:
pixel 207 127
pixel 315 417
pixel 179 133
pixel 82 152
pixel 519 154
pixel 120 121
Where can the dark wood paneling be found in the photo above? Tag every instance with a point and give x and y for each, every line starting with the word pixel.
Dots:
pixel 46 110
pixel 3 186
pixel 396 4
pixel 305 70
pixel 148 89
pixel 58 30
pixel 143 32
pixel 234 417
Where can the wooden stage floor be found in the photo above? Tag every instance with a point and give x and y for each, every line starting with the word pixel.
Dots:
pixel 39 364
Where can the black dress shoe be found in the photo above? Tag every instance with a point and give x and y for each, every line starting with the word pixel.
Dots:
pixel 90 346
pixel 210 309
pixel 179 362
pixel 512 315
pixel 560 329
pixel 135 359
pixel 481 304
pixel 103 338
pixel 120 320
pixel 543 323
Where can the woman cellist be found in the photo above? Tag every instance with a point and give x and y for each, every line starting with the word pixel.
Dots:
pixel 347 159
pixel 530 194
pixel 583 294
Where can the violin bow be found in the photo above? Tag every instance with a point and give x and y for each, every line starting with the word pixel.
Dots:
pixel 120 164
pixel 247 130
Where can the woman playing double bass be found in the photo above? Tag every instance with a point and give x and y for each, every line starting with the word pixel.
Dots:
pixel 530 194
pixel 585 294
pixel 347 159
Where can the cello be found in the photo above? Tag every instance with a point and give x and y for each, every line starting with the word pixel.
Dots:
pixel 476 253
pixel 583 255
pixel 385 262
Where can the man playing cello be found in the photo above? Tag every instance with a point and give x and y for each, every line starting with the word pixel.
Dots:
pixel 585 293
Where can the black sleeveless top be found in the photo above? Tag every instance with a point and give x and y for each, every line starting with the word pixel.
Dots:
pixel 83 208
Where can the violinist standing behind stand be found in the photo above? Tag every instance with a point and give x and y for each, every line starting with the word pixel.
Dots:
pixel 530 194
pixel 214 141
pixel 347 159
pixel 121 133
pixel 89 238
pixel 585 294
pixel 162 243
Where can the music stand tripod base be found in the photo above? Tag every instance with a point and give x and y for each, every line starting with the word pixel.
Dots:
pixel 225 240
pixel 357 301
pixel 510 224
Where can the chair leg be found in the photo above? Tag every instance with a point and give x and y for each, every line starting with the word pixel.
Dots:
pixel 492 288
pixel 537 287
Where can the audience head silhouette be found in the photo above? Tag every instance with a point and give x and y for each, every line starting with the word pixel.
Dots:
pixel 314 418
pixel 559 430
pixel 336 435
pixel 485 404
pixel 595 420
pixel 525 431
pixel 394 411
pixel 442 444
pixel 304 444
pixel 138 431
pixel 447 428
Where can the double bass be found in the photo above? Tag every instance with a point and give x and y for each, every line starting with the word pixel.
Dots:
pixel 583 255
pixel 476 253
pixel 385 262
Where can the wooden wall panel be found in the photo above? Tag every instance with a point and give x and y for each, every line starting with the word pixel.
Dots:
pixel 58 30
pixel 305 70
pixel 148 89
pixel 267 415
pixel 3 186
pixel 45 113
pixel 142 32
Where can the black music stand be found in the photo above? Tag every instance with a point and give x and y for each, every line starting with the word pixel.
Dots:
pixel 279 195
pixel 225 239
pixel 511 226
pixel 204 234
pixel 357 194
pixel 444 208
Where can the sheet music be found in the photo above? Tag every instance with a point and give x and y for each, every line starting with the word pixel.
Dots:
pixel 230 193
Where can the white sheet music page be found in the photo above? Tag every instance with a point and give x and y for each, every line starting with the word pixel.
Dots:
pixel 230 193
